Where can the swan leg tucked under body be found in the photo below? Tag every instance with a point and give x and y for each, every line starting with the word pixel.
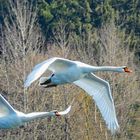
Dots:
pixel 10 118
pixel 81 74
pixel 46 82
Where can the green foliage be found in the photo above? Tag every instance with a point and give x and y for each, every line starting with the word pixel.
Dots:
pixel 3 9
pixel 75 13
pixel 82 15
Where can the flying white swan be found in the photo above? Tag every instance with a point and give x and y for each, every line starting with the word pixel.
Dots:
pixel 10 118
pixel 81 74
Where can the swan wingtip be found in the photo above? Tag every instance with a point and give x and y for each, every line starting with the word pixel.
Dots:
pixel 26 84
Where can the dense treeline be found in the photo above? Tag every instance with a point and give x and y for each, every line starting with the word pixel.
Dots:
pixel 84 15
pixel 81 16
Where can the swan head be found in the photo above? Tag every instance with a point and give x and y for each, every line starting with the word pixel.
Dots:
pixel 56 113
pixel 126 69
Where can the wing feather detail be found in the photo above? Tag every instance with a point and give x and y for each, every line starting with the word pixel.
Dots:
pixel 55 64
pixel 65 111
pixel 5 107
pixel 99 89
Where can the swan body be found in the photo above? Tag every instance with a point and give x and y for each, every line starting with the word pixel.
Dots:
pixel 11 118
pixel 81 74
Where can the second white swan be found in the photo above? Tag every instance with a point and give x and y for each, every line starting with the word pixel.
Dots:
pixel 11 118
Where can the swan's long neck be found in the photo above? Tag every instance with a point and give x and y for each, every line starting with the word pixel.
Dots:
pixel 37 115
pixel 102 68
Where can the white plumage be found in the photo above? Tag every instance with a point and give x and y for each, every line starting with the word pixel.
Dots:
pixel 81 74
pixel 10 118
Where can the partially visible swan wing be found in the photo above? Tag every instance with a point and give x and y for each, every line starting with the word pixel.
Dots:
pixel 65 111
pixel 99 89
pixel 55 64
pixel 5 107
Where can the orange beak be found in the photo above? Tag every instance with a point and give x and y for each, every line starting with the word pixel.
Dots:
pixel 127 70
pixel 57 114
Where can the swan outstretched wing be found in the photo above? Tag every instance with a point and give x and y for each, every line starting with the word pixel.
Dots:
pixel 65 111
pixel 99 89
pixel 5 107
pixel 54 64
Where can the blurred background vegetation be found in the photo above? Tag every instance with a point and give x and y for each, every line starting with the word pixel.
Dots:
pixel 99 32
